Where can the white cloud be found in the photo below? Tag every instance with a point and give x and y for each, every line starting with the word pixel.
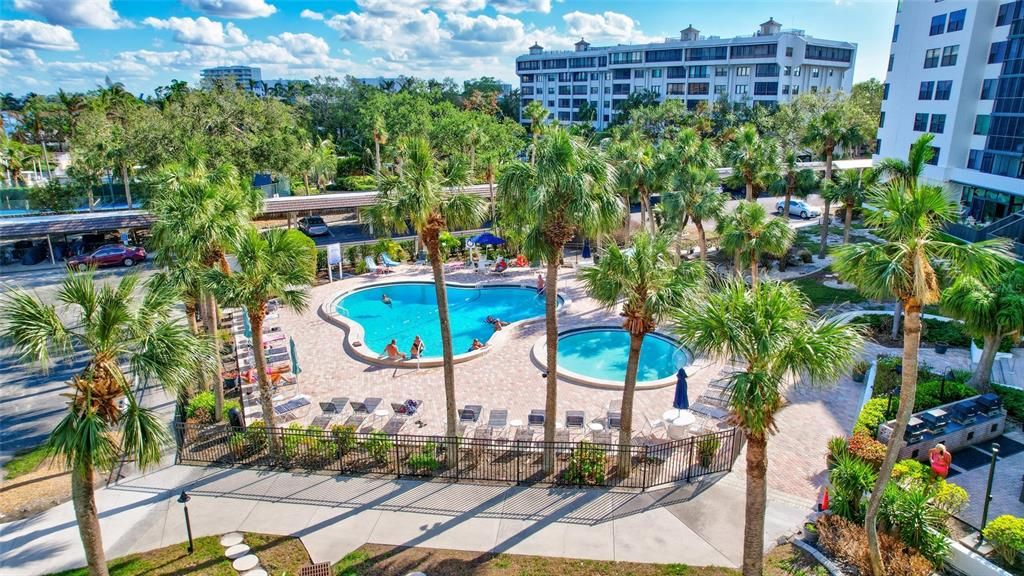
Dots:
pixel 484 28
pixel 202 31
pixel 25 58
pixel 74 13
pixel 517 6
pixel 609 26
pixel 34 34
pixel 232 8
pixel 310 15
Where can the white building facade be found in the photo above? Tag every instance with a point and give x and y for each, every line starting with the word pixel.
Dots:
pixel 246 77
pixel 956 70
pixel 771 66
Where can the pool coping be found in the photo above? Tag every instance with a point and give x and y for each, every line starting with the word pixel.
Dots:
pixel 538 353
pixel 355 333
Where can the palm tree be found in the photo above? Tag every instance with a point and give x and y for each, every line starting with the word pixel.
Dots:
pixel 750 233
pixel 910 220
pixel 793 181
pixel 650 287
pixel 199 214
pixel 380 138
pixel 695 195
pixel 270 265
pixel 988 311
pixel 753 160
pixel 537 113
pixel 34 115
pixel 321 164
pixel 773 330
pixel 417 196
pixel 849 190
pixel 825 133
pixel 636 162
pixel 115 328
pixel 569 190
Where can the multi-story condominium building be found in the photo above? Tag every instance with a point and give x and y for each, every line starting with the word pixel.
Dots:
pixel 246 77
pixel 956 70
pixel 771 66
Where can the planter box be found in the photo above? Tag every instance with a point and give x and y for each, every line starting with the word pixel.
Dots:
pixel 970 562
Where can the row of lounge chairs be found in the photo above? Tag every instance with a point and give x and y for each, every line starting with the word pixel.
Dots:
pixel 363 410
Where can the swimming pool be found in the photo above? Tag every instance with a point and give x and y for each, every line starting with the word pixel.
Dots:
pixel 413 311
pixel 601 354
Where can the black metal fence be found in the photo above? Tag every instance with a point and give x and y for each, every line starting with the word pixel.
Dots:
pixel 342 450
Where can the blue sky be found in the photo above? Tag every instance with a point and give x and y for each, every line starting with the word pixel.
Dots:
pixel 74 44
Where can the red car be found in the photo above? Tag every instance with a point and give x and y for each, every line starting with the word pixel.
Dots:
pixel 109 255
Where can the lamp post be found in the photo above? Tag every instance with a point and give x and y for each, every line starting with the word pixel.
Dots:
pixel 942 387
pixel 183 499
pixel 988 493
pixel 888 406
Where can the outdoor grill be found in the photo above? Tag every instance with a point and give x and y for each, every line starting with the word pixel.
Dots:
pixel 935 420
pixel 989 404
pixel 916 429
pixel 963 412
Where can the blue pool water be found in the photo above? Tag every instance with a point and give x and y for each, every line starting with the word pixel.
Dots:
pixel 602 353
pixel 413 312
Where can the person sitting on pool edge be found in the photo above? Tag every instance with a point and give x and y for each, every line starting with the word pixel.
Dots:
pixel 497 323
pixel 417 348
pixel 386 299
pixel 540 283
pixel 391 350
pixel 477 344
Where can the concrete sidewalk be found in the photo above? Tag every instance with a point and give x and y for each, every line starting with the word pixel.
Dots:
pixel 697 524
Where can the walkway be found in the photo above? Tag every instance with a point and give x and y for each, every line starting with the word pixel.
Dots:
pixel 696 524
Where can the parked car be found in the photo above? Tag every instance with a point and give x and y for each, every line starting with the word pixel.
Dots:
pixel 109 255
pixel 797 208
pixel 313 226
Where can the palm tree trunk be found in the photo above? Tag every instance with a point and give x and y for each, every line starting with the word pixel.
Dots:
pixel 982 378
pixel 790 187
pixel 897 316
pixel 702 240
pixel 737 263
pixel 376 156
pixel 753 270
pixel 847 224
pixel 266 394
pixel 650 215
pixel 490 191
pixel 87 517
pixel 90 199
pixel 305 183
pixel 210 319
pixel 432 240
pixel 190 315
pixel 826 218
pixel 551 336
pixel 626 422
pixel 757 496
pixel 750 191
pixel 127 186
pixel 533 150
pixel 46 159
pixel 908 392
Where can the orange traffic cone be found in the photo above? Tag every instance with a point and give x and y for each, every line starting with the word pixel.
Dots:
pixel 824 502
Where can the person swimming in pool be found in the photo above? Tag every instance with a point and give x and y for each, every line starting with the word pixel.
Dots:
pixel 418 347
pixel 386 299
pixel 477 344
pixel 391 350
pixel 496 323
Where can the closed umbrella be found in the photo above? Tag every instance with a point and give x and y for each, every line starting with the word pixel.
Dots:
pixel 295 357
pixel 681 401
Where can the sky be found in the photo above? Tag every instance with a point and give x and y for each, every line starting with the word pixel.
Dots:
pixel 76 44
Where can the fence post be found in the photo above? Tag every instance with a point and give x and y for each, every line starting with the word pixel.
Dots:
pixel 646 465
pixel 689 457
pixel 398 465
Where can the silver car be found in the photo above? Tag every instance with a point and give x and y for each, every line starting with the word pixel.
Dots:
pixel 797 208
pixel 313 226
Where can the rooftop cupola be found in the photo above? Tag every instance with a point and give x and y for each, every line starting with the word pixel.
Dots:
pixel 770 27
pixel 536 49
pixel 582 45
pixel 690 33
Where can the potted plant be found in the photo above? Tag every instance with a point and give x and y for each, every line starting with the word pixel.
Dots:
pixel 941 347
pixel 810 533
pixel 860 370
pixel 706 449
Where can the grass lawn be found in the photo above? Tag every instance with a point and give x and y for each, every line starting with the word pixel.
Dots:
pixel 25 462
pixel 279 555
pixel 377 560
pixel 821 295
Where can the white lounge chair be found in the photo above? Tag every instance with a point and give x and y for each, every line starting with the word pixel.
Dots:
pixel 371 266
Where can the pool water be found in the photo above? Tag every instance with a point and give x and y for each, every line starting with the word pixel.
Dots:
pixel 413 312
pixel 602 353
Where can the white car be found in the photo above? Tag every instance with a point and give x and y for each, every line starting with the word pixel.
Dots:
pixel 313 226
pixel 797 208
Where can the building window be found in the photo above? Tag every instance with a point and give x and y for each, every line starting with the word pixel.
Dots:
pixel 753 51
pixel 796 89
pixel 626 58
pixel 527 90
pixel 607 90
pixel 815 73
pixel 974 159
pixel 931 57
pixel 938 25
pixel 656 73
pixel 1005 14
pixel 564 103
pixel 579 89
pixel 638 73
pixel 949 55
pixel 881 119
pixel 981 122
pixel 740 89
pixel 721 89
pixel 885 91
pixel 620 89
pixel 766 70
pixel 814 89
pixel 677 72
pixel 721 71
pixel 938 123
pixel 956 21
pixel 595 76
pixel 988 88
pixel 789 51
pixel 926 90
pixel 709 53
pixel 551 104
pixel 665 55
pixel 607 104
pixel 621 74
pixel 675 89
pixel 943 88
pixel 796 71
pixel 743 70
pixel 920 122
pixel 997 53
pixel 698 72
pixel 935 156
pixel 698 88
pixel 766 88
pixel 878 145
pixel 564 90
pixel 787 71
pixel 785 89
pixel 891 57
pixel 593 89
pixel 564 116
pixel 828 53
pixel 895 32
pixel 656 90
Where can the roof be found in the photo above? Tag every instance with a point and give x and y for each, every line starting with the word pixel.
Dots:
pixel 582 42
pixel 28 226
pixel 535 46
pixel 285 204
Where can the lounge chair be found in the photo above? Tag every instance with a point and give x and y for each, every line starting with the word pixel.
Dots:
pixel 322 421
pixel 497 420
pixel 339 404
pixel 367 406
pixel 499 268
pixel 535 418
pixel 371 266
pixel 470 414
pixel 328 408
pixel 653 425
pixel 575 419
pixel 613 417
pixel 407 408
pixel 388 262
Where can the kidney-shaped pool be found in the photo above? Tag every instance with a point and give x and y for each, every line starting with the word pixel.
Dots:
pixel 413 312
pixel 598 355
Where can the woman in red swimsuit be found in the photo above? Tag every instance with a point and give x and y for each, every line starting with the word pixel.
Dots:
pixel 940 460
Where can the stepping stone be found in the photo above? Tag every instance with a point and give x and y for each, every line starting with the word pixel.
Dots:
pixel 236 551
pixel 232 539
pixel 245 563
pixel 256 572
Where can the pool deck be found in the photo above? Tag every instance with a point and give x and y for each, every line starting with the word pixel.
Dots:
pixel 506 377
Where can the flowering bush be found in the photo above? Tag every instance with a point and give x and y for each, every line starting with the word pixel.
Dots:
pixel 867 448
pixel 1006 534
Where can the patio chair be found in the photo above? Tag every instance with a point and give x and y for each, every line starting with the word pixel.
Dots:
pixel 653 425
pixel 497 420
pixel 388 262
pixel 322 421
pixel 535 418
pixel 339 404
pixel 575 419
pixel 407 408
pixel 470 414
pixel 328 408
pixel 371 266
pixel 613 417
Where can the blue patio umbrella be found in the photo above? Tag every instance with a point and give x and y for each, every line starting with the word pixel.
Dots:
pixel 246 326
pixel 681 401
pixel 486 239
pixel 295 357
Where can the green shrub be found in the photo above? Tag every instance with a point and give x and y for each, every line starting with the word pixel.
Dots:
pixel 932 393
pixel 851 478
pixel 950 332
pixel 349 166
pixel 378 446
pixel 909 469
pixel 919 523
pixel 949 497
pixel 868 449
pixel 1006 533
pixel 394 250
pixel 202 406
pixel 837 445
pixel 358 183
pixel 871 416
pixel 706 449
pixel 449 244
pixel 292 440
pixel 586 465
pixel 352 255
pixel 425 459
pixel 1013 400
pixel 344 438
